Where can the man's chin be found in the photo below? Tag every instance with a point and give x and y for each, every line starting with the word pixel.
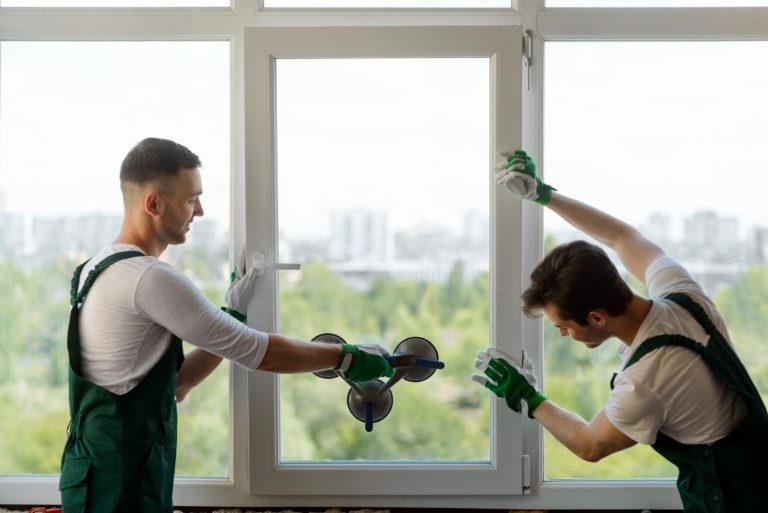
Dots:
pixel 181 239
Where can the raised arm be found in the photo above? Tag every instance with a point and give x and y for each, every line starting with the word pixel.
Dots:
pixel 636 252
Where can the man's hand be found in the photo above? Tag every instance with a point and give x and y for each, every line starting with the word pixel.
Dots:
pixel 518 173
pixel 506 379
pixel 363 362
pixel 240 288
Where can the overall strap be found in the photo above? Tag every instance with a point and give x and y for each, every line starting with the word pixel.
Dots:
pixel 77 298
pixel 658 341
pixel 73 331
pixel 720 355
pixel 695 310
pixel 717 354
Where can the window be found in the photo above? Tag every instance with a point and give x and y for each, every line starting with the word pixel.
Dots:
pixel 657 118
pixel 388 4
pixel 654 3
pixel 69 112
pixel 236 61
pixel 383 198
pixel 382 155
pixel 114 3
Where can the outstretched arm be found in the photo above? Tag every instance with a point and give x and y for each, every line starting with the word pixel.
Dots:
pixel 518 174
pixel 517 384
pixel 590 441
pixel 634 250
pixel 290 355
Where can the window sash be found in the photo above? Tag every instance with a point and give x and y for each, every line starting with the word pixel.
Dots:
pixel 503 46
pixel 605 24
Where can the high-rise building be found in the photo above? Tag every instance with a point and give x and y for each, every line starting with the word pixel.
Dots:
pixel 709 237
pixel 360 235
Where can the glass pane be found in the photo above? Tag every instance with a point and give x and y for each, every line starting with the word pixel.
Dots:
pixel 391 4
pixel 69 112
pixel 114 3
pixel 654 134
pixel 384 198
pixel 655 3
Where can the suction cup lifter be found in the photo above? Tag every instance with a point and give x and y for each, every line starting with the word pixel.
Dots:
pixel 414 359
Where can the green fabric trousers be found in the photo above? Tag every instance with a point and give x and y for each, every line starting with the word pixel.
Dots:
pixel 730 475
pixel 120 454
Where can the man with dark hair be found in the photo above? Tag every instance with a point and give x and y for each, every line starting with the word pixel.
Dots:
pixel 130 312
pixel 682 388
pixel 577 277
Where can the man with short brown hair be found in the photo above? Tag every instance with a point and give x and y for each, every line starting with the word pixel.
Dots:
pixel 682 388
pixel 127 368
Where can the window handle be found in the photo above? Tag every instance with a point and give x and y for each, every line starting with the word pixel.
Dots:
pixel 259 262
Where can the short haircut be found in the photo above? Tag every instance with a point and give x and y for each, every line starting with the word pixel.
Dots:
pixel 576 278
pixel 155 159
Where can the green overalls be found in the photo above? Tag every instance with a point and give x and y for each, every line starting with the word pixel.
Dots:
pixel 120 453
pixel 730 475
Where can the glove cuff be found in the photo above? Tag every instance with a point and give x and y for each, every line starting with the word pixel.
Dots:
pixel 346 357
pixel 534 400
pixel 234 313
pixel 544 193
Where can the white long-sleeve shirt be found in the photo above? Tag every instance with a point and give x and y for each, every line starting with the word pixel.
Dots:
pixel 135 307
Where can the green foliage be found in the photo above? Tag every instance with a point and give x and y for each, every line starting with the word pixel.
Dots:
pixel 203 439
pixel 745 310
pixel 445 418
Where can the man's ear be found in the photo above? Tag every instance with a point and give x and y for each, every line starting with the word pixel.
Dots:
pixel 597 317
pixel 151 203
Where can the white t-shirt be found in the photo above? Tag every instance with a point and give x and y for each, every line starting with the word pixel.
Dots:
pixel 133 310
pixel 672 389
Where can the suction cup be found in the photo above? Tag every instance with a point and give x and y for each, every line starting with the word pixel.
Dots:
pixel 420 348
pixel 371 405
pixel 328 338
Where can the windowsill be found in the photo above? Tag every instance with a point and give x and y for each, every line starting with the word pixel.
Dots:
pixel 212 492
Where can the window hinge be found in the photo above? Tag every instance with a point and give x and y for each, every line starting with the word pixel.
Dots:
pixel 527 56
pixel 526 474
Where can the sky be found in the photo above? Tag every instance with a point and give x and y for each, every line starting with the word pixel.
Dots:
pixel 410 137
pixel 633 128
pixel 70 111
pixel 673 127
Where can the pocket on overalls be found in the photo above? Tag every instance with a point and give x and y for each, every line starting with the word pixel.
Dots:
pixel 73 483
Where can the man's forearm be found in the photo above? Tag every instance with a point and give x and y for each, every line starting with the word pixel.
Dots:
pixel 587 219
pixel 289 355
pixel 197 366
pixel 564 425
pixel 634 250
pixel 590 441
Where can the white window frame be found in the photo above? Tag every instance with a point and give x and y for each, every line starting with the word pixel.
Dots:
pixel 393 482
pixel 253 467
pixel 133 24
pixel 604 24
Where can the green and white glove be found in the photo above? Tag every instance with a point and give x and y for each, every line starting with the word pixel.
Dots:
pixel 240 288
pixel 506 379
pixel 364 362
pixel 518 173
